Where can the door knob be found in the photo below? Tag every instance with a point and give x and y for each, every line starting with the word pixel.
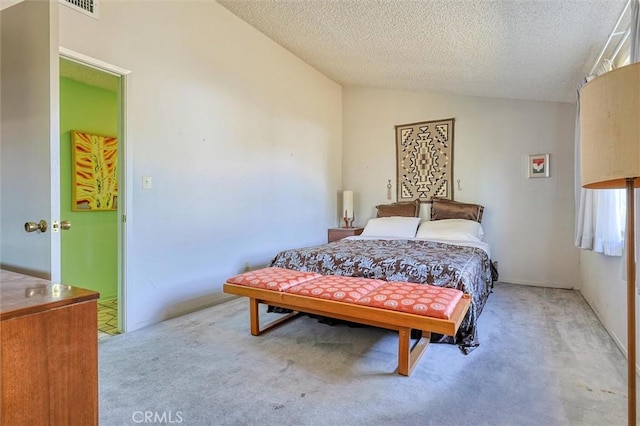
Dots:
pixel 32 226
pixel 57 226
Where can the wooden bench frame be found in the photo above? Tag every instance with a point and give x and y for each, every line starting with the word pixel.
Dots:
pixel 402 322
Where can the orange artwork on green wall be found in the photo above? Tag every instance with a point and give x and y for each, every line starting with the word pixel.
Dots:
pixel 95 172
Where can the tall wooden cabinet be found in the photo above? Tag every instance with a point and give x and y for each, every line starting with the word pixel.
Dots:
pixel 48 352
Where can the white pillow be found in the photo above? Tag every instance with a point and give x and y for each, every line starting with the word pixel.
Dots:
pixel 451 229
pixel 391 227
pixel 425 211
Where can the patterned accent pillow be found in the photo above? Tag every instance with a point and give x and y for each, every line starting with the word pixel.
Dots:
pixel 273 278
pixel 419 299
pixel 448 209
pixel 336 287
pixel 407 209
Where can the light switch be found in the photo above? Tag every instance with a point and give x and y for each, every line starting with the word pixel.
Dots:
pixel 146 182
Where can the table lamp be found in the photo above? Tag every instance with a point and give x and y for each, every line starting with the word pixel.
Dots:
pixel 347 207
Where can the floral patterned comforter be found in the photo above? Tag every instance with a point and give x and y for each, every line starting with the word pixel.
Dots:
pixel 417 261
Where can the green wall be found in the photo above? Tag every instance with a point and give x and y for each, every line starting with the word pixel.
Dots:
pixel 90 247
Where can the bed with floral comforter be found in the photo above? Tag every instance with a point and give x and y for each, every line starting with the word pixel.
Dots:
pixel 465 267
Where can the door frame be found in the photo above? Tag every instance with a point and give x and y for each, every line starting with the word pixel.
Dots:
pixel 123 174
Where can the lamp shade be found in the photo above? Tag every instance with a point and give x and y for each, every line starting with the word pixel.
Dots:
pixel 610 129
pixel 347 203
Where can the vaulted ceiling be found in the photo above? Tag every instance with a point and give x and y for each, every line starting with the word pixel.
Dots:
pixel 519 49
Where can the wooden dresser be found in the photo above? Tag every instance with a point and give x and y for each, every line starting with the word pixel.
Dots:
pixel 48 352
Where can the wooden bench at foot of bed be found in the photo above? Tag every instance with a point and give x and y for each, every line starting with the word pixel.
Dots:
pixel 392 305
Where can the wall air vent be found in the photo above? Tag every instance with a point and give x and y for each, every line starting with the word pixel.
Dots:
pixel 88 7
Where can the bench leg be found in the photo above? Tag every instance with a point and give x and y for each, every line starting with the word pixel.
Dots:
pixel 408 358
pixel 254 317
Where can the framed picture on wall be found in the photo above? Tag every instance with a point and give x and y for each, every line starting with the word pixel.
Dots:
pixel 538 166
pixel 94 172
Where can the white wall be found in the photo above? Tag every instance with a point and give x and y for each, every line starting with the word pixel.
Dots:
pixel 528 222
pixel 602 286
pixel 241 138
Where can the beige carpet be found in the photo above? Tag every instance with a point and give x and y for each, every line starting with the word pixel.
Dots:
pixel 544 359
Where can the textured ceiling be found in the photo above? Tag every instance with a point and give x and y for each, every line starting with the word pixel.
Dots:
pixel 520 49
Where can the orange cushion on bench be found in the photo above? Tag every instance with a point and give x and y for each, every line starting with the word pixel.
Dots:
pixel 336 287
pixel 419 299
pixel 278 279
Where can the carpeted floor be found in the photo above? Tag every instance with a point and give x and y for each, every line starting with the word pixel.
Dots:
pixel 544 359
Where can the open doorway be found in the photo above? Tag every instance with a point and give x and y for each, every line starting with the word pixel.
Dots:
pixel 90 108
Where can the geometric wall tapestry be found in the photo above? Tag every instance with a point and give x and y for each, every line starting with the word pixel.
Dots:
pixel 424 155
pixel 94 172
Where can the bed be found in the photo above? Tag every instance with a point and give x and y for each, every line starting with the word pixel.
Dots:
pixel 447 251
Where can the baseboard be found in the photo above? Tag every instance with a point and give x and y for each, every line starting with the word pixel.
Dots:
pixel 613 336
pixel 537 284
pixel 184 309
pixel 197 304
pixel 107 297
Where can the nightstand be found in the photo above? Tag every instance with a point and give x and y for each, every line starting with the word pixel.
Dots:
pixel 336 234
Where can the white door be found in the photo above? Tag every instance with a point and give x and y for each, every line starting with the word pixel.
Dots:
pixel 29 137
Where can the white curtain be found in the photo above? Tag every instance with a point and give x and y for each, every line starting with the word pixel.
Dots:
pixel 600 214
